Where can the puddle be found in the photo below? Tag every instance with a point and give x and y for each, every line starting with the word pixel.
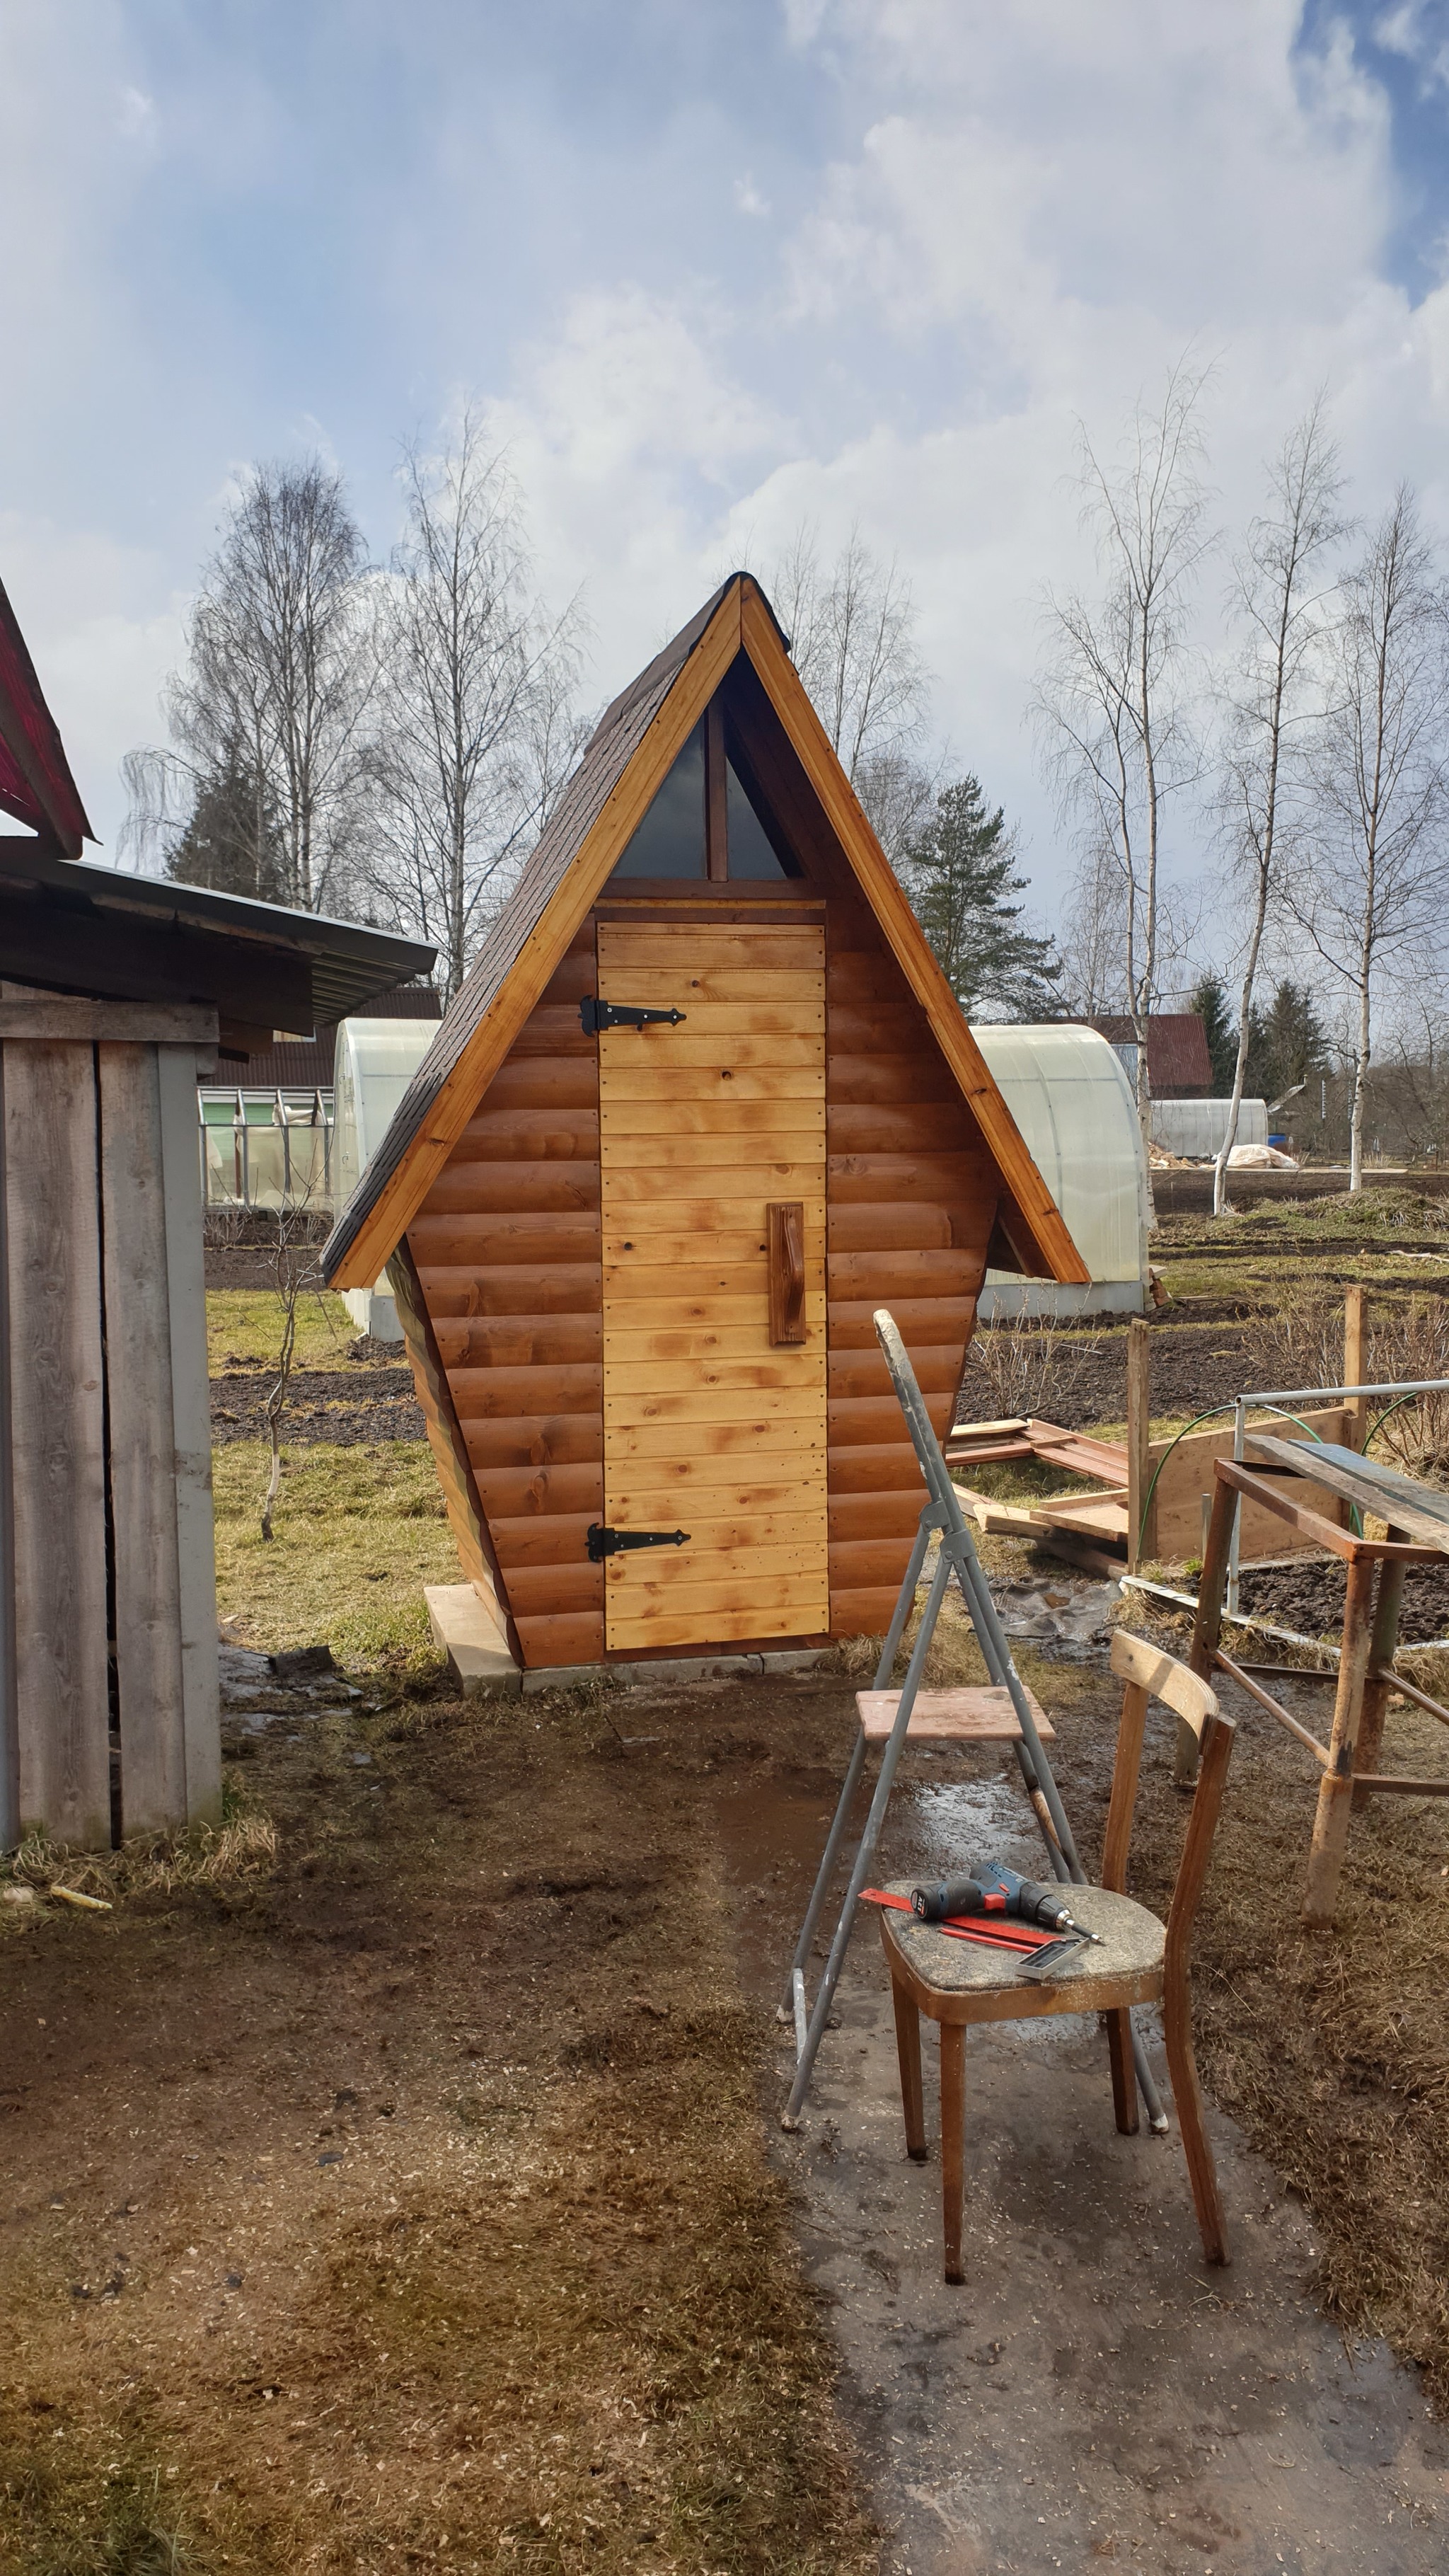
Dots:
pixel 1070 1620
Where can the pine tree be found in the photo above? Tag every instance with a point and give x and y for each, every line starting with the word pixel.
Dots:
pixel 233 842
pixel 1288 1044
pixel 959 870
pixel 1209 998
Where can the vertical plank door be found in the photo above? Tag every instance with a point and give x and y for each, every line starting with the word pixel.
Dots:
pixel 707 1427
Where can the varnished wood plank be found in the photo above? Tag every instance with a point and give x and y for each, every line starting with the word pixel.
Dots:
pixel 517 1189
pixel 518 1341
pixel 873 1078
pixel 671 986
pixel 782 1050
pixel 556 1590
pixel 938 1372
pixel 879 1278
pixel 775 947
pixel 665 1314
pixel 147 1603
pixel 716 1564
pixel 715 1121
pixel 876 1515
pixel 701 1488
pixel 553 1029
pixel 882 1467
pixel 534 1135
pixel 729 1250
pixel 856 1421
pixel 484 1394
pixel 652 1602
pixel 574 1639
pixel 552 1440
pixel 517 1288
pixel 705 1628
pixel 760 1439
pixel 542 1491
pixel 709 1341
pixel 552 1081
pixel 719 1082
pixel 695 1375
pixel 714 1535
pixel 685 1174
pixel 889 1226
pixel 640 1280
pixel 627 1212
pixel 858 1029
pixel 945 1180
pixel 708 1021
pixel 52 1211
pixel 864 1613
pixel 542 1538
pixel 801 1403
pixel 856 1564
pixel 732 1152
pixel 899 1127
pixel 530 1234
pixel 467 1513
pixel 922 1322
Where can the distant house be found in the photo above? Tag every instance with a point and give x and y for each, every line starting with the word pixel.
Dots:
pixel 1179 1066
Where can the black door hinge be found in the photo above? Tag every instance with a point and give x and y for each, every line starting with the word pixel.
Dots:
pixel 604 1542
pixel 598 1015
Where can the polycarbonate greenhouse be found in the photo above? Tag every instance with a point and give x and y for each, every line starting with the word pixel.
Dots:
pixel 1068 1092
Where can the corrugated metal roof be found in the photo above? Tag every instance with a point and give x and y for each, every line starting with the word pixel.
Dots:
pixel 303 1064
pixel 607 754
pixel 348 963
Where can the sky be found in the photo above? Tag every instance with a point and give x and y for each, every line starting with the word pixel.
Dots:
pixel 713 270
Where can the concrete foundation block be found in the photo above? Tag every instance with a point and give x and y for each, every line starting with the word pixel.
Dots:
pixel 472 1641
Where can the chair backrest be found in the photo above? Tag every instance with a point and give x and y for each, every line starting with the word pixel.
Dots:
pixel 1150 1674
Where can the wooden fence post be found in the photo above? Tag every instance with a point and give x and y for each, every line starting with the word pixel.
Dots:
pixel 1139 1436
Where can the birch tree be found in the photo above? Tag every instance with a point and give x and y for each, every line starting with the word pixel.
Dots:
pixel 475 732
pixel 1373 883
pixel 852 630
pixel 275 691
pixel 1280 601
pixel 1114 702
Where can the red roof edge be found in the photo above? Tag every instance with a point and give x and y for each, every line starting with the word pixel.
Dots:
pixel 36 785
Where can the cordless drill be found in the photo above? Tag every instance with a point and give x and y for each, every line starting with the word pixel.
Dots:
pixel 994 1889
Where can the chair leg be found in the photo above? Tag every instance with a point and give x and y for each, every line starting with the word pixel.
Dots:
pixel 1124 2072
pixel 953 2141
pixel 1187 2094
pixel 908 2050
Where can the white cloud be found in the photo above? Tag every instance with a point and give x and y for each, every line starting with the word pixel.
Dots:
pixel 748 198
pixel 136 116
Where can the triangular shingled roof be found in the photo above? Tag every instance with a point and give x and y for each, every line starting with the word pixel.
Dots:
pixel 625 762
pixel 35 781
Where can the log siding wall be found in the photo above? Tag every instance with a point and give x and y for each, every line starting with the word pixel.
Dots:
pixel 507 1251
pixel 911 1197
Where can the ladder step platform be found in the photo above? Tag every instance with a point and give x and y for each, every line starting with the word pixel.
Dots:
pixel 979 1715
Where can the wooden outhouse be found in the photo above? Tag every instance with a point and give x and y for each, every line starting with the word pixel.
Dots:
pixel 111 988
pixel 704 1102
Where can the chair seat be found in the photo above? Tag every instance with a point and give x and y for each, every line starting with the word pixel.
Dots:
pixel 955 1980
pixel 980 1714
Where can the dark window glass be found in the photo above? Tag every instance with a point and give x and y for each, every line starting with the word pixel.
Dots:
pixel 750 851
pixel 670 840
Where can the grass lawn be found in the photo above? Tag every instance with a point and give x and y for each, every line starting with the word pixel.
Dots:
pixel 246 1324
pixel 358 1533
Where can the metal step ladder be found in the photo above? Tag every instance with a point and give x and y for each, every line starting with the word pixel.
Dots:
pixel 956 1554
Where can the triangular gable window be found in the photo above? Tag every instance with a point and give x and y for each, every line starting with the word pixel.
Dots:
pixel 672 840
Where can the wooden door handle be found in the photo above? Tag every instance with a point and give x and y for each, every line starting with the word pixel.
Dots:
pixel 787 1269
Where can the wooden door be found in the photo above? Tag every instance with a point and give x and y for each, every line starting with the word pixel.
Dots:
pixel 707 1426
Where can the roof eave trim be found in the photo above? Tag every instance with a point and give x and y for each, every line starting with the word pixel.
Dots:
pixel 1033 1221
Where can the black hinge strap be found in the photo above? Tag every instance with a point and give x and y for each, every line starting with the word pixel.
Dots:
pixel 604 1542
pixel 598 1015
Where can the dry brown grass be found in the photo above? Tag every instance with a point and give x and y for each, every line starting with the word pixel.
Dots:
pixel 1016 1367
pixel 1331 2049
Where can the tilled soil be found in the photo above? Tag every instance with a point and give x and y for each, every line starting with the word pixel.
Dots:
pixel 1193 1366
pixel 348 1407
pixel 1310 1598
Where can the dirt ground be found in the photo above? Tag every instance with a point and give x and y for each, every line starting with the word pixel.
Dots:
pixel 418 2200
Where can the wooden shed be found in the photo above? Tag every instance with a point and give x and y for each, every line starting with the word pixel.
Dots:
pixel 704 1102
pixel 111 988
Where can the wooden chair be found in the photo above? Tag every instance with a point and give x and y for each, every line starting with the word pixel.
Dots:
pixel 956 1983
